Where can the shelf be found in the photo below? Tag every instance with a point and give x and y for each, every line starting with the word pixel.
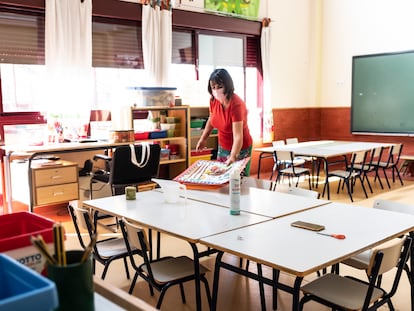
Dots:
pixel 161 139
pixel 172 167
pixel 163 162
pixel 198 136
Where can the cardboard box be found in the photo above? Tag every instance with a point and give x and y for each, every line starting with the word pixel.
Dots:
pixel 15 232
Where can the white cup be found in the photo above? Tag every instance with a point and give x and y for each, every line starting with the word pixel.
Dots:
pixel 172 190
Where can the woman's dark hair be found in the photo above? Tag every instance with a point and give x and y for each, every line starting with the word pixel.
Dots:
pixel 221 77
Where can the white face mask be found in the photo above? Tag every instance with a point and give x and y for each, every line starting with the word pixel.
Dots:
pixel 219 94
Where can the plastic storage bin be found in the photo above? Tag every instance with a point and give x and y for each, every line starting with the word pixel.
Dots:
pixel 23 289
pixel 154 96
pixel 158 134
pixel 15 232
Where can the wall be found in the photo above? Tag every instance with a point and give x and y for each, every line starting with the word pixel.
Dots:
pixel 355 27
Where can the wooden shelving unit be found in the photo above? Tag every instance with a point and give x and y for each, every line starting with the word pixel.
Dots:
pixel 174 166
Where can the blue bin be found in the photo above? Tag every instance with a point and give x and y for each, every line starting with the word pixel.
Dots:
pixel 22 288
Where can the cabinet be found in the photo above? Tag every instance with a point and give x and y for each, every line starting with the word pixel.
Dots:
pixel 179 138
pixel 54 182
pixel 201 113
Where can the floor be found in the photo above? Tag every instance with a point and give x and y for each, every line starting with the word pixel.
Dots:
pixel 239 293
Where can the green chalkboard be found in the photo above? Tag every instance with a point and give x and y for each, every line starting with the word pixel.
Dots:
pixel 383 93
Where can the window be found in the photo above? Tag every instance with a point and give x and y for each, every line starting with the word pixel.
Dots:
pixel 118 62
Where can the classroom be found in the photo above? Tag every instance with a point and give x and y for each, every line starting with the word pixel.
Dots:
pixel 135 72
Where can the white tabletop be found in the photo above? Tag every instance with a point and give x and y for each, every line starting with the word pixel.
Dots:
pixel 300 252
pixel 259 201
pixel 189 220
pixel 325 148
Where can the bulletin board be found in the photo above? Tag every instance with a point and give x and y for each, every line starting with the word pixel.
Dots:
pixel 247 8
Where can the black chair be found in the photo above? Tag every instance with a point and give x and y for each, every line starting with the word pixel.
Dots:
pixel 350 174
pixel 124 169
pixel 290 171
pixel 104 251
pixel 121 171
pixel 161 273
pixel 391 163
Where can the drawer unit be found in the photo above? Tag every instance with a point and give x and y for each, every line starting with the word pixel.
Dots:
pixel 55 182
pixel 55 175
pixel 56 194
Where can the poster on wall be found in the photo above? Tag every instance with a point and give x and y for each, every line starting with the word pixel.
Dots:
pixel 247 8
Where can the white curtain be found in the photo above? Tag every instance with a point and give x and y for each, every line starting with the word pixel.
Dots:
pixel 156 44
pixel 268 135
pixel 68 49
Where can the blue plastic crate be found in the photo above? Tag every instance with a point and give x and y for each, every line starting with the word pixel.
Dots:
pixel 158 134
pixel 22 289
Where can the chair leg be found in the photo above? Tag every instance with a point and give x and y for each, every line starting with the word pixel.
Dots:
pixel 398 175
pixel 386 177
pixel 368 182
pixel 126 268
pixel 134 281
pixel 379 179
pixel 160 299
pixel 348 187
pixel 182 292
pixel 105 270
pixel 363 187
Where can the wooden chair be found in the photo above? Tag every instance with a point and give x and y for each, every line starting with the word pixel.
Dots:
pixel 161 273
pixel 350 293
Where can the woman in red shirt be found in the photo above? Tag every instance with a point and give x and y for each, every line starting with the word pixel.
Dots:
pixel 228 113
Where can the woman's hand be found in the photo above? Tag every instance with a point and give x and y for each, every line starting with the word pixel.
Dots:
pixel 231 159
pixel 201 144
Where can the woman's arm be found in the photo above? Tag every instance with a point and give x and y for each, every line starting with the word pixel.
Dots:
pixel 237 141
pixel 202 142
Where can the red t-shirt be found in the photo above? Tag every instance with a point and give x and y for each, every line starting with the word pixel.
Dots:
pixel 223 119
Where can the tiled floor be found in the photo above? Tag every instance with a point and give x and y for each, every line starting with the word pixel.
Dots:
pixel 239 293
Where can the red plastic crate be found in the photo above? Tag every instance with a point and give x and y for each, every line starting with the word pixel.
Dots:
pixel 15 232
pixel 201 152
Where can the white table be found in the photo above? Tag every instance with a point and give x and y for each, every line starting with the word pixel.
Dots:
pixel 322 150
pixel 188 219
pixel 300 252
pixel 258 201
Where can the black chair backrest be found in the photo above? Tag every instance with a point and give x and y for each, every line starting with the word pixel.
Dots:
pixel 123 171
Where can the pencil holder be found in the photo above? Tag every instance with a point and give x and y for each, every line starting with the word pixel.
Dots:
pixel 74 282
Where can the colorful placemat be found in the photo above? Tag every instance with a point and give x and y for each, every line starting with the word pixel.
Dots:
pixel 207 172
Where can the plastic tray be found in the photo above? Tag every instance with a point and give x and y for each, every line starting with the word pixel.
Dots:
pixel 23 289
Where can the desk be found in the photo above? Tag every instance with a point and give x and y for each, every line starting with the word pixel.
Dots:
pixel 263 202
pixel 187 220
pixel 32 151
pixel 300 252
pixel 322 150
